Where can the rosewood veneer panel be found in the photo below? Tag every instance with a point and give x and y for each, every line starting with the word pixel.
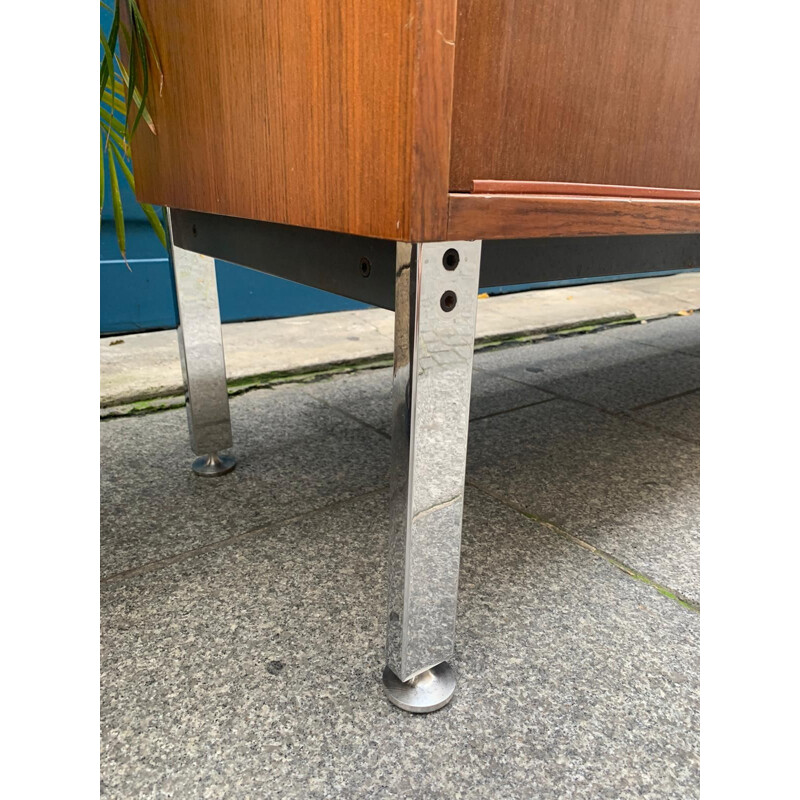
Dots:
pixel 583 91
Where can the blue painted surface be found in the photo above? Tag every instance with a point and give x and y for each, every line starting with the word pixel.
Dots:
pixel 140 298
pixel 524 287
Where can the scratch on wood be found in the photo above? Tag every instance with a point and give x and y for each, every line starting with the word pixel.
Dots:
pixel 446 41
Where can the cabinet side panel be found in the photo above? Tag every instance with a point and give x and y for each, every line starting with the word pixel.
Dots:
pixel 291 111
pixel 603 92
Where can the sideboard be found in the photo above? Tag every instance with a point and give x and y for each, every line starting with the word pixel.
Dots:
pixel 400 153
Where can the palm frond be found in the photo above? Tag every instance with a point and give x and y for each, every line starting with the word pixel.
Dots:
pixel 123 105
pixel 116 204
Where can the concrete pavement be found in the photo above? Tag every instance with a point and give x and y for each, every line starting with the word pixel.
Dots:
pixel 242 618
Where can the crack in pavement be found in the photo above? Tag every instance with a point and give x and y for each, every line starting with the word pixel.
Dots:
pixel 672 594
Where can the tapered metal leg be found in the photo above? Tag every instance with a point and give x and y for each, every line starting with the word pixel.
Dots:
pixel 435 303
pixel 202 359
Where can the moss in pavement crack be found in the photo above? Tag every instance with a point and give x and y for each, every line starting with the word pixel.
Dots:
pixel 241 385
pixel 613 561
pixel 264 380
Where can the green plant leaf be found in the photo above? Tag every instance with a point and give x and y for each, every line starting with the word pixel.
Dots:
pixel 135 11
pixel 155 223
pixel 111 120
pixel 113 101
pixel 126 171
pixel 119 142
pixel 125 93
pixel 116 203
pixel 107 64
pixel 136 96
pixel 149 212
pixel 141 51
pixel 102 177
pixel 111 42
pixel 131 83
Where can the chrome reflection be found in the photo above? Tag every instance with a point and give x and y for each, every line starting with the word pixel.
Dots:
pixel 434 343
pixel 202 357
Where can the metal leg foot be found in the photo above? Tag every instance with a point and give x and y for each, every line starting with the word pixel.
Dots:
pixel 212 465
pixel 202 359
pixel 426 692
pixel 435 304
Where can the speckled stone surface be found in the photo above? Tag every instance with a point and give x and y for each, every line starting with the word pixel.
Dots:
pixel 679 416
pixel 673 333
pixel 253 672
pixel 625 488
pixel 597 368
pixel 367 395
pixel 294 454
pixel 251 668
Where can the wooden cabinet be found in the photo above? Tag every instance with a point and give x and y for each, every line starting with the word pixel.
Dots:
pixel 492 142
pixel 377 118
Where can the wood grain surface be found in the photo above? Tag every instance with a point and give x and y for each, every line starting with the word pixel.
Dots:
pixel 589 91
pixel 330 114
pixel 596 189
pixel 532 216
pixel 360 116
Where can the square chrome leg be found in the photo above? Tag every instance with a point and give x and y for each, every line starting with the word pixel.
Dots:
pixel 436 294
pixel 202 359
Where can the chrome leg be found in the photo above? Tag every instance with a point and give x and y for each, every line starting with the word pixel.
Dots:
pixel 202 359
pixel 436 291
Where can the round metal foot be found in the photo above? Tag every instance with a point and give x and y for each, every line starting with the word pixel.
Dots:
pixel 428 691
pixel 212 465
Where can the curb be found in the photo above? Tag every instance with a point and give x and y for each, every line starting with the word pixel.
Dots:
pixel 237 386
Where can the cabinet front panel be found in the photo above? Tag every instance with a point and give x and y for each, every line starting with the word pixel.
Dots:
pixel 582 91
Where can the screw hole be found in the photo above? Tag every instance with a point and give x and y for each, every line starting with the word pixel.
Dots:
pixel 448 301
pixel 194 230
pixel 451 259
pixel 365 267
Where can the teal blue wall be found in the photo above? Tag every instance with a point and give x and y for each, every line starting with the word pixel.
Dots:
pixel 140 298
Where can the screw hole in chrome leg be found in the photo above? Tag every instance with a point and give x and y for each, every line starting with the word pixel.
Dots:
pixel 451 259
pixel 448 301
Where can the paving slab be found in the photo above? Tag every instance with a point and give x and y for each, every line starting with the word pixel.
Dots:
pixel 294 454
pixel 679 416
pixel 366 395
pixel 626 488
pixel 252 671
pixel 675 333
pixel 598 368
